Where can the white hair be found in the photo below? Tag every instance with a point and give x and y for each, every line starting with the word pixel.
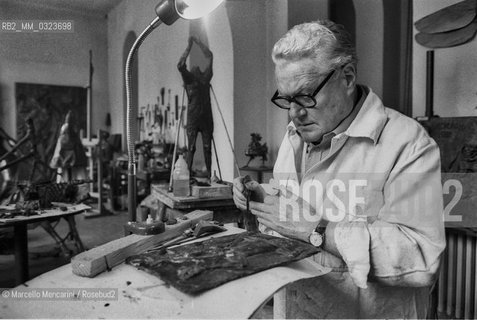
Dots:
pixel 324 41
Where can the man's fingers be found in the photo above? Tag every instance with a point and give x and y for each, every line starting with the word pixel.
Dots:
pixel 238 184
pixel 238 194
pixel 240 203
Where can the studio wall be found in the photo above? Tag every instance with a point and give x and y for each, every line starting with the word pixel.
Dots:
pixel 455 72
pixel 158 57
pixel 52 58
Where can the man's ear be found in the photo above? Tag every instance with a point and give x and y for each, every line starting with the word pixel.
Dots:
pixel 349 72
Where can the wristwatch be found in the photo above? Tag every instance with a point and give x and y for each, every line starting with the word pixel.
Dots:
pixel 317 237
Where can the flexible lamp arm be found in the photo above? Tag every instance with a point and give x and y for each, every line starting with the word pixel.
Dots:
pixel 130 117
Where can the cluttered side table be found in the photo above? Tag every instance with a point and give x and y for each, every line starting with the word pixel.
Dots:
pixel 19 223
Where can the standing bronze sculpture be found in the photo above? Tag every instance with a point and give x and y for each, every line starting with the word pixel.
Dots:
pixel 199 111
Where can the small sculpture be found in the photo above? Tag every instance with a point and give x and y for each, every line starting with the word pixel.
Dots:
pixel 256 149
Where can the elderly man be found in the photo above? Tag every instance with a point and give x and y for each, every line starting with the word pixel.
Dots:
pixel 357 179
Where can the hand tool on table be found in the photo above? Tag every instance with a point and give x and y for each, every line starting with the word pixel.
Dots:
pixel 201 229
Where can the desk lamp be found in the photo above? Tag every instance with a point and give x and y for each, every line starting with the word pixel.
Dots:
pixel 168 11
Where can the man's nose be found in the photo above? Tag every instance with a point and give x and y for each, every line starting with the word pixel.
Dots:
pixel 296 111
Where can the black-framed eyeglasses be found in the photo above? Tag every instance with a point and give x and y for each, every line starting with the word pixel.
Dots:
pixel 303 100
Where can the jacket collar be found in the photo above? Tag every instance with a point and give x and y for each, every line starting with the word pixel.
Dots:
pixel 371 118
pixel 369 121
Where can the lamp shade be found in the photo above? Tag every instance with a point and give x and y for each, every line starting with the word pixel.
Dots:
pixel 170 10
pixel 195 9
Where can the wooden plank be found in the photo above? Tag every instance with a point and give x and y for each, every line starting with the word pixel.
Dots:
pixel 94 261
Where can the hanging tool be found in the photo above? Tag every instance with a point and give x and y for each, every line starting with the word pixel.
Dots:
pixel 163 90
pixel 169 107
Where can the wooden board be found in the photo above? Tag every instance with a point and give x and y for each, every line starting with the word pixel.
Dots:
pixel 102 258
pixel 196 267
pixel 448 39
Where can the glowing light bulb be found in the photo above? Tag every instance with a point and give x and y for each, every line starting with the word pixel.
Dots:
pixel 195 9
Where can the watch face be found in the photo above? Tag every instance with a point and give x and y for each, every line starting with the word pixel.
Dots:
pixel 316 239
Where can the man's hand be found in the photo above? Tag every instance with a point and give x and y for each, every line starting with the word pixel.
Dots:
pixel 240 199
pixel 244 185
pixel 295 221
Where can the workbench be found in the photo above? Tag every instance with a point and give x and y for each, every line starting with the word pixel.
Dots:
pixel 19 224
pixel 131 293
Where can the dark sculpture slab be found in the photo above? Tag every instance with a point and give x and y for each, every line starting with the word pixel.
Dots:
pixel 200 266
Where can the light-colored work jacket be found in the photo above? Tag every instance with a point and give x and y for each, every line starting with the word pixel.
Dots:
pixel 380 187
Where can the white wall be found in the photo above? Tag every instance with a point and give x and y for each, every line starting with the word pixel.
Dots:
pixel 277 119
pixel 369 43
pixel 455 72
pixel 52 58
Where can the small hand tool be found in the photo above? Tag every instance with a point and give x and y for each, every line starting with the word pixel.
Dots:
pixel 249 220
pixel 201 229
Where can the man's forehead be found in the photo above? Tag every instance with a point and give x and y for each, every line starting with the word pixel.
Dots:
pixel 299 67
